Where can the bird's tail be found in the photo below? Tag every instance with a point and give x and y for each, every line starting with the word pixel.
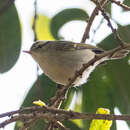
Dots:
pixel 120 54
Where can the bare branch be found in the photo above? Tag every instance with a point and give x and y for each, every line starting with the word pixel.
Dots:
pixel 47 113
pixel 125 7
pixel 91 19
pixel 97 28
pixel 34 21
pixel 117 37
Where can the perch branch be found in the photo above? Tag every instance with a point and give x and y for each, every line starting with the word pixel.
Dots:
pixel 55 114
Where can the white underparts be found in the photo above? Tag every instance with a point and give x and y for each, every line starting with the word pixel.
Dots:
pixel 82 79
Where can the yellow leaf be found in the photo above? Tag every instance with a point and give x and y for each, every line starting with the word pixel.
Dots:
pixel 42 28
pixel 39 103
pixel 101 124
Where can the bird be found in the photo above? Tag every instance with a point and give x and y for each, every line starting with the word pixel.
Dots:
pixel 59 60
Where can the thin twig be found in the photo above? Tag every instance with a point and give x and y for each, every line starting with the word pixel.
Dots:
pixel 60 125
pixel 125 7
pixel 48 126
pixel 9 113
pixel 116 35
pixel 34 21
pixel 90 21
pixel 55 124
pixel 95 30
pixel 34 29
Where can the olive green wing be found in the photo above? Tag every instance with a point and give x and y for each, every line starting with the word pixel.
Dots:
pixel 71 46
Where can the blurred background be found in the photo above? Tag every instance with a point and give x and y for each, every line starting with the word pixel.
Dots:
pixel 20 80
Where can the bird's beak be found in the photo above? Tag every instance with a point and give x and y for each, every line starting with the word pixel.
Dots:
pixel 28 52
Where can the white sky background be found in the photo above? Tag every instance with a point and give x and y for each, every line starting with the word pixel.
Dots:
pixel 16 83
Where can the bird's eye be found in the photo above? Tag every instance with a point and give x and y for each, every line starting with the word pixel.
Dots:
pixel 39 46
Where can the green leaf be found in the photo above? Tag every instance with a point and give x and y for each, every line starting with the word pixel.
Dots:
pixel 78 107
pixel 126 2
pixel 109 85
pixel 71 125
pixel 110 42
pixel 124 32
pixel 120 70
pixel 10 38
pixel 42 89
pixel 43 28
pixel 65 105
pixel 65 16
pixel 98 92
pixel 38 125
pixel 108 8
